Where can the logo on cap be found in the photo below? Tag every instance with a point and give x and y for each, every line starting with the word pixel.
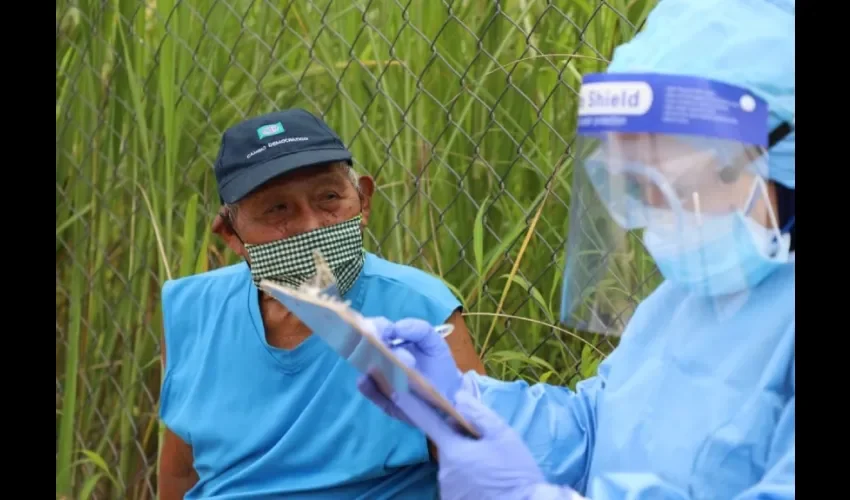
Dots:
pixel 270 130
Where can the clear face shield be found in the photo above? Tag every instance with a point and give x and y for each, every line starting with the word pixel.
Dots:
pixel 670 175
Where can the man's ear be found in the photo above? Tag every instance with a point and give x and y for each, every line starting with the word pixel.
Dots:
pixel 367 189
pixel 222 228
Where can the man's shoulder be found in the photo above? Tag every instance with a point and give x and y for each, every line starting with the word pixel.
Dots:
pixel 397 275
pixel 194 305
pixel 400 282
pixel 219 281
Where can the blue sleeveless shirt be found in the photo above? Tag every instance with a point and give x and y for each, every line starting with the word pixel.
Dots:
pixel 265 422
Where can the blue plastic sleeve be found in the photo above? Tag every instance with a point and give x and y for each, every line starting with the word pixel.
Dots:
pixel 670 104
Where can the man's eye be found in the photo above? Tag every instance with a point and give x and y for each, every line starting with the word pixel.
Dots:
pixel 329 196
pixel 276 208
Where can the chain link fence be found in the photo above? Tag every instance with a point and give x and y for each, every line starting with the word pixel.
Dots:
pixel 463 112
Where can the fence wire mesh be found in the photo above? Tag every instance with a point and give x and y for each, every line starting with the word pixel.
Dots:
pixel 463 112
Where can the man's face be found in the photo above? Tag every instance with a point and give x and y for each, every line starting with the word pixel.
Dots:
pixel 294 203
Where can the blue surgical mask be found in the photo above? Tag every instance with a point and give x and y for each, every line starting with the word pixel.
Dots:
pixel 717 254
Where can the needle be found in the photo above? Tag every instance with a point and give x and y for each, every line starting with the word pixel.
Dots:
pixel 443 331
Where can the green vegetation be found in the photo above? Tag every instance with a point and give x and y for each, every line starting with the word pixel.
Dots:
pixel 463 115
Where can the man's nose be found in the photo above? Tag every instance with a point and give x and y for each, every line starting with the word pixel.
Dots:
pixel 306 219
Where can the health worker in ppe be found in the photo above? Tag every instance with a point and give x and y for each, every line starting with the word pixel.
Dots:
pixel 686 148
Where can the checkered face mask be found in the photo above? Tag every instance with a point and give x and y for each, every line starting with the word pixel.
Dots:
pixel 290 261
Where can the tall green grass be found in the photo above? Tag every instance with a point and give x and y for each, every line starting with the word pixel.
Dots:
pixel 462 113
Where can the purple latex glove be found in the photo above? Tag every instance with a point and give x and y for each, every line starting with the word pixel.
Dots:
pixel 425 350
pixel 498 465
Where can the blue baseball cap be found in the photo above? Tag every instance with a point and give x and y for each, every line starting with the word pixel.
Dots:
pixel 262 148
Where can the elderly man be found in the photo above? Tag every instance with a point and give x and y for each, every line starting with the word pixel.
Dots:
pixel 256 407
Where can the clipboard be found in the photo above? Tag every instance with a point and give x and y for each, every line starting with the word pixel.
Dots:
pixel 346 332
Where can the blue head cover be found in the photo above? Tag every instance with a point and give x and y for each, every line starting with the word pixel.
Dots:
pixel 749 43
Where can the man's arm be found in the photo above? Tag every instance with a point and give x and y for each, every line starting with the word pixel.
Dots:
pixel 176 472
pixel 463 351
pixel 460 343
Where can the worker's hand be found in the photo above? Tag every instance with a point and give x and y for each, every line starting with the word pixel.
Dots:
pixel 425 350
pixel 498 465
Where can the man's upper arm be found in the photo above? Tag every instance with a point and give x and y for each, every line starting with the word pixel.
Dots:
pixel 176 471
pixel 460 342
pixel 442 306
pixel 176 475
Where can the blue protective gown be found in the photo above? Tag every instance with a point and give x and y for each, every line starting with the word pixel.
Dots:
pixel 696 402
